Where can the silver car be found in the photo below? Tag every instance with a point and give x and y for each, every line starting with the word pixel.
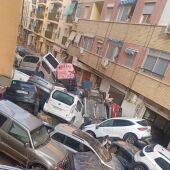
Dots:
pixel 24 138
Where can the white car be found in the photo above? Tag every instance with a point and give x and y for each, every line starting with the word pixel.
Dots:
pixel 65 106
pixel 76 140
pixel 18 75
pixel 128 129
pixel 153 157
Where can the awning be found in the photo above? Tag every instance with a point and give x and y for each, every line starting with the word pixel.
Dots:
pixel 72 36
pixel 126 2
pixel 131 51
pixel 116 41
pixel 77 38
pixel 69 10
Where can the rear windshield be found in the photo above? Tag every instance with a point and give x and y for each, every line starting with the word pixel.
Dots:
pixel 63 97
pixel 143 123
pixel 31 59
pixel 52 60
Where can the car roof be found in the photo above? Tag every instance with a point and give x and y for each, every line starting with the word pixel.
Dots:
pixel 20 115
pixel 127 118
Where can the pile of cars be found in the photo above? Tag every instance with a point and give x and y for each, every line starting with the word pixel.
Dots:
pixel 46 128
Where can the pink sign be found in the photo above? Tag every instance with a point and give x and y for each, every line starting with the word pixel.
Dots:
pixel 65 71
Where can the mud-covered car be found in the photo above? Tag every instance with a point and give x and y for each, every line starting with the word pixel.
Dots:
pixel 25 139
pixel 23 94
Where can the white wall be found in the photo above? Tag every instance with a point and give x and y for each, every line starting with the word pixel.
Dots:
pixel 165 18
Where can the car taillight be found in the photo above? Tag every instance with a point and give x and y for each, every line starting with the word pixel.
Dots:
pixel 142 129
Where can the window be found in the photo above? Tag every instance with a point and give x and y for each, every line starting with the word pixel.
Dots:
pixel 2 119
pixel 108 123
pixel 72 143
pixel 52 60
pixel 122 123
pixel 31 59
pixel 147 12
pixel 58 137
pixel 19 133
pixel 63 97
pixel 129 60
pixel 99 47
pixel 125 13
pixel 86 12
pixel 156 63
pixel 45 66
pixel 87 43
pixel 162 163
pixel 78 12
pixel 79 106
pixel 109 13
pixel 112 51
pixel 143 123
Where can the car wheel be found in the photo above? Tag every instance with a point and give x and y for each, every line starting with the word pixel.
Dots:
pixel 38 167
pixel 140 167
pixel 91 133
pixel 130 138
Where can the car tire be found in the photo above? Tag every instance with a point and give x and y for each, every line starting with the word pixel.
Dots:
pixel 140 166
pixel 91 133
pixel 130 138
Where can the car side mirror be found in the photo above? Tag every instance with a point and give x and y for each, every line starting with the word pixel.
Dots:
pixel 27 144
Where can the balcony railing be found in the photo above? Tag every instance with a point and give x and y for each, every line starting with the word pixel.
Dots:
pixel 48 34
pixel 53 16
pixel 40 15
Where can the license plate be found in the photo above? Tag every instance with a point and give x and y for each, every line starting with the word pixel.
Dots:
pixel 22 92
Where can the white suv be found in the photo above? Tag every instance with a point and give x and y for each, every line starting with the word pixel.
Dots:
pixel 128 129
pixel 76 140
pixel 153 157
pixel 65 106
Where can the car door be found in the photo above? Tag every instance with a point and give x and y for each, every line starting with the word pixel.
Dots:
pixel 16 139
pixel 105 128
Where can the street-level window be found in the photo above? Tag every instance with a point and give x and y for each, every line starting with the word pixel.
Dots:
pixel 112 51
pixel 156 63
pixel 147 12
pixel 87 43
pixel 109 13
pixel 125 13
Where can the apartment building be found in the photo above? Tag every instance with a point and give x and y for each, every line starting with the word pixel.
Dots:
pixel 9 16
pixel 47 24
pixel 123 46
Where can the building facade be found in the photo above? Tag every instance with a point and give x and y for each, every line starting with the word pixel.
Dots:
pixel 123 46
pixel 9 16
pixel 47 25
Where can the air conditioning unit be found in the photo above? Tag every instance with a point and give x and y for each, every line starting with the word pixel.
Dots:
pixel 81 50
pixel 104 62
pixel 131 97
pixel 167 30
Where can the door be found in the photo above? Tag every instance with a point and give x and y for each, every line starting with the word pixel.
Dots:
pixel 105 128
pixel 16 139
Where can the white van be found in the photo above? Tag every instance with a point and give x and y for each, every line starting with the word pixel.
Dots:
pixel 65 106
pixel 47 67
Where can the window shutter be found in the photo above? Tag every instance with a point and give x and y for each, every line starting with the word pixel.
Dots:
pixel 148 8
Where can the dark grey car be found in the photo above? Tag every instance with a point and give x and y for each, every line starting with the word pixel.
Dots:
pixel 24 138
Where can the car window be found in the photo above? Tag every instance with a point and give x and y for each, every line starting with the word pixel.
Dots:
pixel 58 137
pixel 63 97
pixel 2 119
pixel 79 106
pixel 31 59
pixel 19 133
pixel 46 68
pixel 143 123
pixel 122 123
pixel 52 60
pixel 162 163
pixel 72 143
pixel 107 123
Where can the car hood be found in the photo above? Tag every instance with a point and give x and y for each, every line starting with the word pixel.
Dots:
pixel 52 152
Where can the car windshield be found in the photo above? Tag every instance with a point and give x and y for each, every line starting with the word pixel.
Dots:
pixel 63 97
pixel 40 136
pixel 95 144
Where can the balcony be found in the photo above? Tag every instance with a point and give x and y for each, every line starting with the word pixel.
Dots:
pixel 48 34
pixel 38 30
pixel 151 88
pixel 40 15
pixel 53 16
